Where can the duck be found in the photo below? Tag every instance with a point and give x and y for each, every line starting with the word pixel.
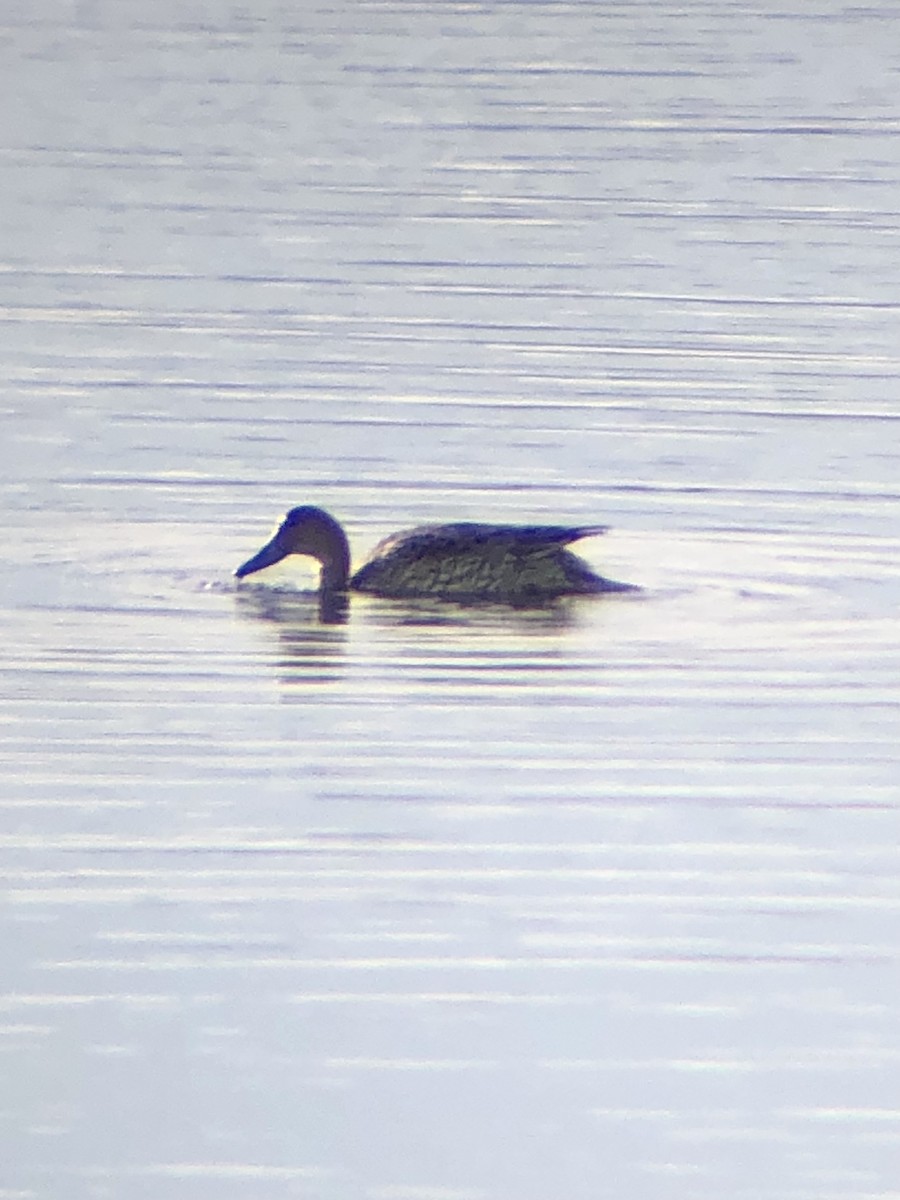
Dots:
pixel 463 562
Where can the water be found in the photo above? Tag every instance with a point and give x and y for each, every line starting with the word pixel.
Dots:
pixel 440 904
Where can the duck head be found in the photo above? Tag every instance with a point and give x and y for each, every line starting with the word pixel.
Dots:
pixel 310 531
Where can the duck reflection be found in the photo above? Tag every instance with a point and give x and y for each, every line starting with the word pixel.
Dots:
pixel 312 631
pixel 309 627
pixel 505 618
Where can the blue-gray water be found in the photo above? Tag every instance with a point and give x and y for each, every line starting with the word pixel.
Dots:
pixel 598 902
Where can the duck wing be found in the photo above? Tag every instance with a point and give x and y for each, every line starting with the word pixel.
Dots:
pixel 473 560
pixel 464 535
pixel 541 535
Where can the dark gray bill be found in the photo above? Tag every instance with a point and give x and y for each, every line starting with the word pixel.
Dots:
pixel 270 554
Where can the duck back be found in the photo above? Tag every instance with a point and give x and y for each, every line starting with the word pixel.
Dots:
pixel 466 561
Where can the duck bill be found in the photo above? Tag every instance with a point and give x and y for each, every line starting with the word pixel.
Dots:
pixel 270 554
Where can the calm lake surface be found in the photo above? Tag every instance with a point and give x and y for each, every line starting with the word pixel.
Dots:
pixel 600 901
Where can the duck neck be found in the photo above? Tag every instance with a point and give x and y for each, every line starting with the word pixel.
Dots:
pixel 334 555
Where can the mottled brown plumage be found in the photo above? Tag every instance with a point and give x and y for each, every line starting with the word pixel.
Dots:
pixel 511 564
